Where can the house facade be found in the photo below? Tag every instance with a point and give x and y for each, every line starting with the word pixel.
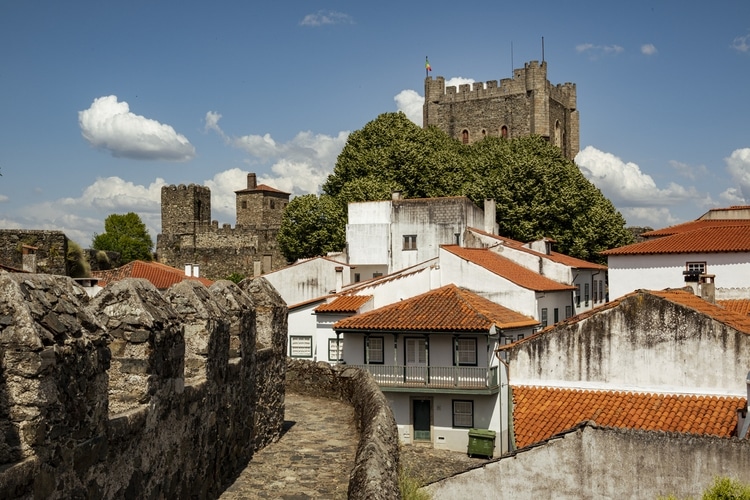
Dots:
pixel 433 357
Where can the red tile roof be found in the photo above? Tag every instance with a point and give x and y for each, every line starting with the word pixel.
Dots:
pixel 447 309
pixel 723 238
pixel 161 275
pixel 560 258
pixel 507 269
pixel 740 306
pixel 540 412
pixel 344 304
pixel 694 225
pixel 262 187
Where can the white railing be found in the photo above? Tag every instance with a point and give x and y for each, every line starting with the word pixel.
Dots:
pixel 437 377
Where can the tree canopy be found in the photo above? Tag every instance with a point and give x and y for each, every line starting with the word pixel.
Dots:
pixel 127 235
pixel 539 192
pixel 310 226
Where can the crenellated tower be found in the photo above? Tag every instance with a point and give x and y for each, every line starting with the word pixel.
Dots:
pixel 527 104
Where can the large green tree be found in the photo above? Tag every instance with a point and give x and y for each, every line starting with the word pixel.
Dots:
pixel 127 235
pixel 311 226
pixel 539 192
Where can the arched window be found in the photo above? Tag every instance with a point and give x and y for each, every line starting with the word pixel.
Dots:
pixel 504 132
pixel 465 136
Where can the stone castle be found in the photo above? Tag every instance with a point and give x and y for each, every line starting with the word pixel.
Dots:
pixel 527 104
pixel 189 236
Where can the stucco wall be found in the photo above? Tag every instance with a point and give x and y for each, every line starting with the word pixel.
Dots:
pixel 593 463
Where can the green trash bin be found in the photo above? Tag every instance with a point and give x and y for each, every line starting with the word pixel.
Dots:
pixel 481 442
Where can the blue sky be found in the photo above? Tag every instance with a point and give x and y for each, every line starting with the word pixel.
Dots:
pixel 104 102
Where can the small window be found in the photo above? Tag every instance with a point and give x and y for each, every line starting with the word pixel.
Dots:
pixel 520 336
pixel 374 350
pixel 586 294
pixel 335 349
pixel 272 203
pixel 504 132
pixel 508 340
pixel 568 312
pixel 601 290
pixel 244 204
pixel 556 315
pixel 578 295
pixel 465 136
pixel 457 238
pixel 300 346
pixel 410 242
pixel 595 291
pixel 544 317
pixel 466 352
pixel 357 278
pixel 463 413
pixel 377 275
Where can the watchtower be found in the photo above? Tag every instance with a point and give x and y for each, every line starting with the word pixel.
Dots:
pixel 527 104
pixel 184 207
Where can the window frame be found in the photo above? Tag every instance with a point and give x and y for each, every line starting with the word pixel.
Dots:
pixel 463 414
pixel 544 317
pixel 409 242
pixel 339 343
pixel 292 338
pixel 369 349
pixel 456 351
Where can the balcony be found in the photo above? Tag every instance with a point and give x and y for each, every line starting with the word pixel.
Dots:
pixel 452 379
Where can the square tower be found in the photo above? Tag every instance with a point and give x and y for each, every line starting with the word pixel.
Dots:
pixel 259 204
pixel 184 207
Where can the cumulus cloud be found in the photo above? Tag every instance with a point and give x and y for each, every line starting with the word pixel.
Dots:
pixel 741 43
pixel 116 194
pixel 410 102
pixel 299 166
pixel 625 184
pixel 738 166
pixel 733 196
pixel 649 216
pixel 110 125
pixel 648 49
pixel 322 18
pixel 597 51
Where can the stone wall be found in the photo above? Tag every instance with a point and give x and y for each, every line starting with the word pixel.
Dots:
pixel 375 473
pixel 134 394
pixel 592 462
pixel 52 246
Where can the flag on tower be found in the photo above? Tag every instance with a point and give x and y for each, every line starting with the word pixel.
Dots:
pixel 427 64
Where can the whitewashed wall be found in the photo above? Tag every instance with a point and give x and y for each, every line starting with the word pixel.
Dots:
pixel 307 280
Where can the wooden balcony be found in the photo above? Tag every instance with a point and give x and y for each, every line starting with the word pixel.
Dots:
pixel 457 379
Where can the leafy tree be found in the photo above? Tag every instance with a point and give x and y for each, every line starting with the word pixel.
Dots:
pixel 127 235
pixel 312 226
pixel 539 192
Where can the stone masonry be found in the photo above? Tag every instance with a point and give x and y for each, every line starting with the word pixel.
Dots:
pixel 527 104
pixel 134 394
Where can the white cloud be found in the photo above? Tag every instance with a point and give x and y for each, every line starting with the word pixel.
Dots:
pixel 689 171
pixel 597 51
pixel 738 166
pixel 411 103
pixel 3 198
pixel 110 125
pixel 733 196
pixel 741 43
pixel 648 49
pixel 649 216
pixel 321 18
pixel 456 81
pixel 212 122
pixel 625 184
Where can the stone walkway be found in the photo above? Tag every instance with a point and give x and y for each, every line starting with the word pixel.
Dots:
pixel 316 452
pixel 313 458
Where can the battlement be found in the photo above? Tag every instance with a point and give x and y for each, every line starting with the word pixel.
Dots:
pixel 98 396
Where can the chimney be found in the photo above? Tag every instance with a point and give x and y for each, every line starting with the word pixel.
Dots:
pixel 339 278
pixel 708 288
pixel 490 216
pixel 28 258
pixel 252 182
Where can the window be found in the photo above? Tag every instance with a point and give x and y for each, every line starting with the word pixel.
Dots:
pixel 578 295
pixel 335 349
pixel 272 203
pixel 557 315
pixel 544 317
pixel 568 312
pixel 300 346
pixel 586 294
pixel 465 136
pixel 377 275
pixel 244 204
pixel 416 351
pixel 594 291
pixel 696 267
pixel 374 350
pixel 463 413
pixel 357 278
pixel 508 340
pixel 466 352
pixel 457 238
pixel 601 290
pixel 520 336
pixel 504 132
pixel 410 242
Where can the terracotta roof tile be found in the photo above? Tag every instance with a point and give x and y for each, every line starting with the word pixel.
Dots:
pixel 540 412
pixel 344 304
pixel 704 237
pixel 262 187
pixel 161 275
pixel 446 309
pixel 740 306
pixel 507 269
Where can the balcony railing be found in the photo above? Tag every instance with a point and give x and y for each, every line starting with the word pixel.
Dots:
pixel 433 377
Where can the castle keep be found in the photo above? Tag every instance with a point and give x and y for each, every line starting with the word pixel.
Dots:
pixel 527 104
pixel 189 236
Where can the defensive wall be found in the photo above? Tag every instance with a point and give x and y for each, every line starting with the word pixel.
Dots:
pixel 134 394
pixel 45 250
pixel 375 473
pixel 593 462
pixel 189 236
